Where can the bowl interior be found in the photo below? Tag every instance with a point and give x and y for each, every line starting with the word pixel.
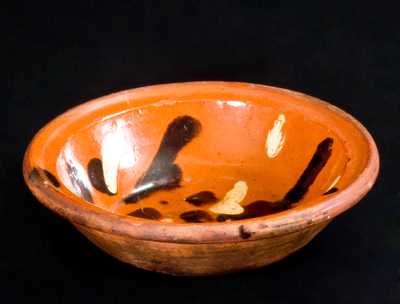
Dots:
pixel 181 157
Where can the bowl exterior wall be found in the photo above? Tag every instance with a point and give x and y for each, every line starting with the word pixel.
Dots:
pixel 200 259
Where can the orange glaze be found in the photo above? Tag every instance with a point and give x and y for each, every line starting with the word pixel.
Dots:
pixel 230 147
pixel 288 162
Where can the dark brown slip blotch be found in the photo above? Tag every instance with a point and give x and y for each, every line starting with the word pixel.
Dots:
pixel 332 190
pixel 41 175
pixel 162 172
pixel 196 216
pixel 317 162
pixel 51 178
pixel 96 176
pixel 201 198
pixel 34 175
pixel 146 213
pixel 244 234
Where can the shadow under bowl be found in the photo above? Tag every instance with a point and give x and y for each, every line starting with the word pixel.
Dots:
pixel 201 178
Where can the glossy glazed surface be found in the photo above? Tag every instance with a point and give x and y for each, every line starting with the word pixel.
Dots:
pixel 203 162
pixel 128 162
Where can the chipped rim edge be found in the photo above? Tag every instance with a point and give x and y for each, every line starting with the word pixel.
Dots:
pixel 290 221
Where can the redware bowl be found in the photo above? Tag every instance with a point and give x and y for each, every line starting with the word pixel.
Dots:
pixel 201 178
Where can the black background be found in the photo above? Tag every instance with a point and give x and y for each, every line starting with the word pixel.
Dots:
pixel 57 55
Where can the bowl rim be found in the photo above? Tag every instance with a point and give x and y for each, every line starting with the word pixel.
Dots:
pixel 81 213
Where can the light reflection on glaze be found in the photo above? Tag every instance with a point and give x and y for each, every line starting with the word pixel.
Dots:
pixel 110 156
pixel 236 103
pixel 232 103
pixel 275 137
pixel 117 151
pixel 336 180
pixel 111 116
